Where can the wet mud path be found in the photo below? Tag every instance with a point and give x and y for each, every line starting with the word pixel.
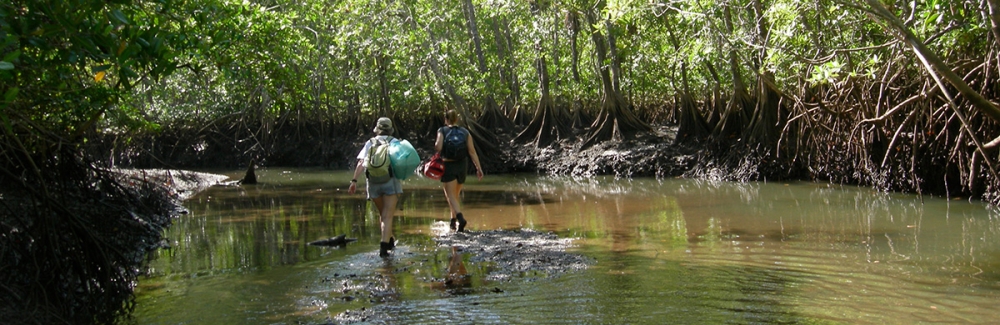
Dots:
pixel 503 256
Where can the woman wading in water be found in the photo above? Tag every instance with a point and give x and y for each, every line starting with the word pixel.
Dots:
pixel 455 145
pixel 383 191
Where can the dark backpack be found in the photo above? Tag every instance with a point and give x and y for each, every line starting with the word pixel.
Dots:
pixel 454 147
pixel 378 168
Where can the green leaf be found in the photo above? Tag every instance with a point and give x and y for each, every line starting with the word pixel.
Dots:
pixel 12 56
pixel 117 14
pixel 4 65
pixel 128 72
pixel 100 68
pixel 10 94
pixel 6 122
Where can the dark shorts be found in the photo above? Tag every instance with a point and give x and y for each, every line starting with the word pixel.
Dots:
pixel 455 170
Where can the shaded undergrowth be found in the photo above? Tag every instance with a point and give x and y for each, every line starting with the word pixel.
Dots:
pixel 73 237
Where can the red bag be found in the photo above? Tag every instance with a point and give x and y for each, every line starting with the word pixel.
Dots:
pixel 434 168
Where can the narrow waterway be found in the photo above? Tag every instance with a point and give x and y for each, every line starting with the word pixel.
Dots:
pixel 668 251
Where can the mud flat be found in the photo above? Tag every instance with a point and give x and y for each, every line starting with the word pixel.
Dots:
pixel 509 255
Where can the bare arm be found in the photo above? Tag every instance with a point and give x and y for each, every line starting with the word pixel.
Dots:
pixel 354 180
pixel 475 156
pixel 439 142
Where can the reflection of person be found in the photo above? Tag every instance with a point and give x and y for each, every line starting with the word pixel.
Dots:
pixel 457 275
pixel 383 195
pixel 456 169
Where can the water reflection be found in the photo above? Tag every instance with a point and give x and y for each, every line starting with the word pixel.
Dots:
pixel 456 279
pixel 677 251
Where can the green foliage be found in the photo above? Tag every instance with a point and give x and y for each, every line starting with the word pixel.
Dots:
pixel 826 73
pixel 137 63
pixel 72 68
pixel 67 64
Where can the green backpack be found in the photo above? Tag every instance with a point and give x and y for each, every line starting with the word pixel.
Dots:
pixel 378 168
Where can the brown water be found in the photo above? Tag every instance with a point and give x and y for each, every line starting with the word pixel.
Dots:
pixel 670 251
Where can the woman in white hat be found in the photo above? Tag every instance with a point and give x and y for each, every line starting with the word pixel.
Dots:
pixel 383 194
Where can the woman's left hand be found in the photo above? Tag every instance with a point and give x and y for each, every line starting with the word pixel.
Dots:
pixel 479 173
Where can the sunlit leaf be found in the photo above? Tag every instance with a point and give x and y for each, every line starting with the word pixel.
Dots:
pixel 99 76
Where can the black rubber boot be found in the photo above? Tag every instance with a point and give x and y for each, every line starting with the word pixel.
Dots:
pixel 453 221
pixel 461 222
pixel 392 242
pixel 384 248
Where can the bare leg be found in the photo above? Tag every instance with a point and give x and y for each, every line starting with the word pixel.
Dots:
pixel 387 207
pixel 378 204
pixel 451 192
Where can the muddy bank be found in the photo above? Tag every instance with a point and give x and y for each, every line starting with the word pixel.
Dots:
pixel 335 146
pixel 317 144
pixel 505 255
pixel 179 184
pixel 649 155
pixel 72 251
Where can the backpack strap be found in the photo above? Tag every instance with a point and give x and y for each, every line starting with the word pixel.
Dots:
pixel 388 156
pixel 376 140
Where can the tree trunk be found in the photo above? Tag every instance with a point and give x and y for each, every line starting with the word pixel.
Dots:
pixel 718 105
pixel 994 13
pixel 491 118
pixel 580 118
pixel 485 140
pixel 692 125
pixel 383 83
pixel 547 125
pixel 616 120
pixel 573 20
pixel 734 118
pixel 508 73
pixel 932 61
pixel 767 122
pixel 477 41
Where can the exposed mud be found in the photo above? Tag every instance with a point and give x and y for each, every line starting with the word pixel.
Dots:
pixel 516 252
pixel 507 255
pixel 180 184
pixel 649 155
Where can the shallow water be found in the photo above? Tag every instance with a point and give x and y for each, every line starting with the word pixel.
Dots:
pixel 669 251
